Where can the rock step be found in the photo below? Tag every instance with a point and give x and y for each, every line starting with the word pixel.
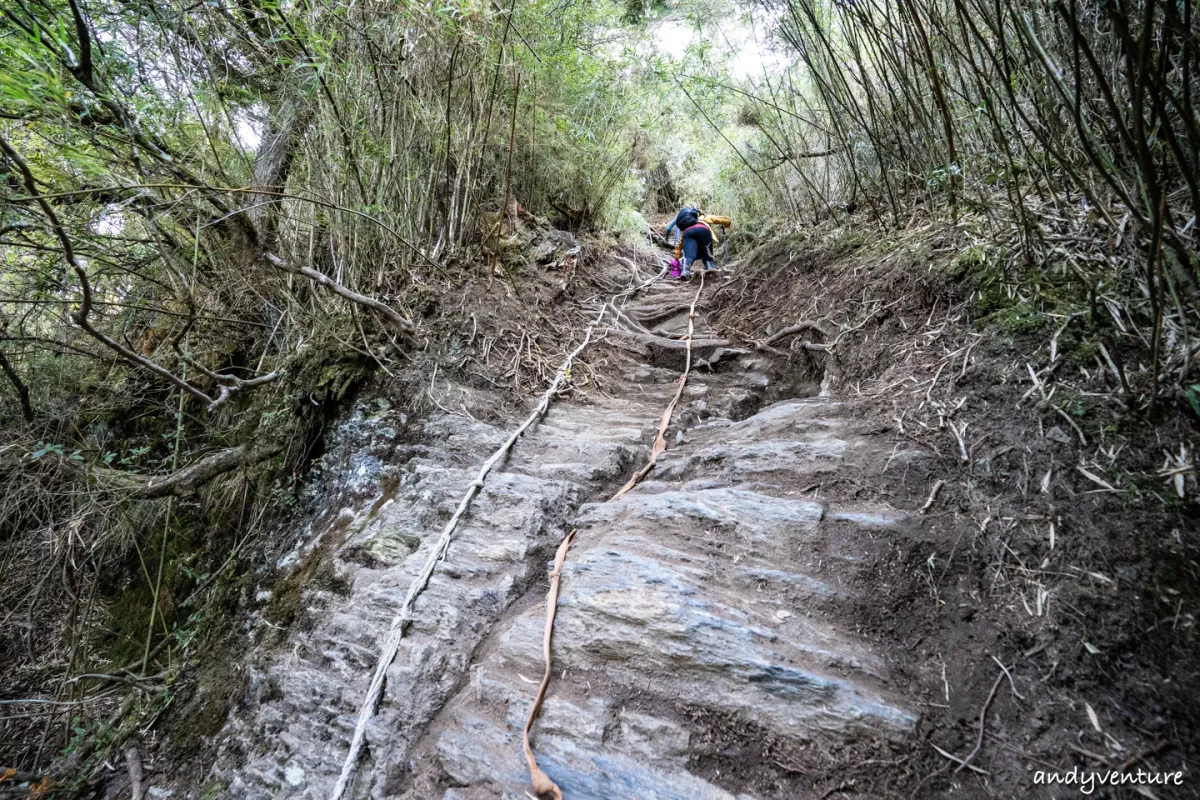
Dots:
pixel 709 598
pixel 293 738
pixel 694 600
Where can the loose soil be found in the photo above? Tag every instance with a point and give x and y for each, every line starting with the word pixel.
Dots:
pixel 1094 622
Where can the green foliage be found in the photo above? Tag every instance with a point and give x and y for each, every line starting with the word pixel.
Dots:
pixel 1193 398
pixel 93 732
pixel 213 790
pixel 1018 318
pixel 385 136
pixel 55 449
pixel 971 260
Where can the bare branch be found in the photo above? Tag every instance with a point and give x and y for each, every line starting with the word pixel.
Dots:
pixel 18 386
pixel 187 480
pixel 401 324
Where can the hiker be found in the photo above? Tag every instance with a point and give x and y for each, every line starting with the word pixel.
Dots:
pixel 687 216
pixel 697 241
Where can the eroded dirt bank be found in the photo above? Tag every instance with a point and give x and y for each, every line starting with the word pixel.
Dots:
pixel 814 594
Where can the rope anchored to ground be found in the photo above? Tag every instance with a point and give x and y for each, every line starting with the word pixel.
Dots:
pixel 542 784
pixel 400 622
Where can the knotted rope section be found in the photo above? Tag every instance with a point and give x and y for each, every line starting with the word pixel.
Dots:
pixel 540 780
pixel 391 644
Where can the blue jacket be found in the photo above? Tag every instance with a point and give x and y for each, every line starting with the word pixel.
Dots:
pixel 674 224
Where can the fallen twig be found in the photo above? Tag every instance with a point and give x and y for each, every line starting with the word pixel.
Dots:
pixel 1083 751
pixel 844 787
pixel 933 382
pixel 1008 675
pixel 1071 422
pixel 958 431
pixel 137 776
pixel 967 358
pixel 1096 479
pixel 966 762
pixel 937 487
pixel 957 760
pixel 1136 757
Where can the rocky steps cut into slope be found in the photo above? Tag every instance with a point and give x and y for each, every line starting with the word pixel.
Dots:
pixel 705 628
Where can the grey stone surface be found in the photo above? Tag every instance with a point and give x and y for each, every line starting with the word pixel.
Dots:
pixel 715 590
pixel 653 737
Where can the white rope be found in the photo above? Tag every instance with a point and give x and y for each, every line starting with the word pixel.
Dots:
pixel 391 644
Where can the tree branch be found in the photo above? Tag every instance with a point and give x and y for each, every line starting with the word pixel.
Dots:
pixel 187 480
pixel 401 324
pixel 227 384
pixel 85 65
pixel 80 316
pixel 799 327
pixel 19 386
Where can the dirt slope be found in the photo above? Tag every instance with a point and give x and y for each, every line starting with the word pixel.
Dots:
pixel 1052 544
pixel 710 599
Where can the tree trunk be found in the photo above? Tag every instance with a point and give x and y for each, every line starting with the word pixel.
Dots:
pixel 273 164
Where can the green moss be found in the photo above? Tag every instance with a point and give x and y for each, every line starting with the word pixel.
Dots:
pixel 284 605
pixel 995 298
pixel 316 571
pixel 124 638
pixel 1080 342
pixel 972 259
pixel 213 789
pixel 215 685
pixel 1020 318
pixel 1085 351
pixel 991 292
pixel 848 240
pixel 218 686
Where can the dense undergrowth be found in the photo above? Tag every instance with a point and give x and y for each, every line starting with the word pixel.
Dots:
pixel 217 224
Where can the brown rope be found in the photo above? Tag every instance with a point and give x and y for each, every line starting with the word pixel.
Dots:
pixel 391 644
pixel 660 441
pixel 540 780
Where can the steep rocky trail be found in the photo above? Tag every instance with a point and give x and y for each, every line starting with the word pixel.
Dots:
pixel 706 623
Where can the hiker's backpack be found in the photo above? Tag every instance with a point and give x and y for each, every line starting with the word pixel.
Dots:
pixel 687 217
